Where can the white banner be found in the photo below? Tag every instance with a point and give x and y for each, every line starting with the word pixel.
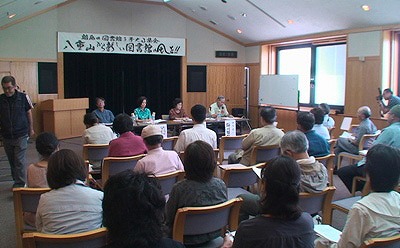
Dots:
pixel 110 43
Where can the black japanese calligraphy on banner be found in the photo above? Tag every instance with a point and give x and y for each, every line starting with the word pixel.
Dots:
pixel 110 43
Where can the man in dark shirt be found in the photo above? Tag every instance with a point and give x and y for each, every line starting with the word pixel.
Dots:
pixel 392 101
pixel 16 126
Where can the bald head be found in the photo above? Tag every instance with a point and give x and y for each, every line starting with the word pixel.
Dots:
pixel 364 112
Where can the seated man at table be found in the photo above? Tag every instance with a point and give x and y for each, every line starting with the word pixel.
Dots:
pixel 157 161
pixel 390 136
pixel 266 135
pixel 104 115
pixel 317 145
pixel 219 107
pixel 313 178
pixel 198 132
pixel 96 133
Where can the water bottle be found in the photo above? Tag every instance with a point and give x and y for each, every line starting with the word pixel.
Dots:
pixel 133 117
pixel 153 117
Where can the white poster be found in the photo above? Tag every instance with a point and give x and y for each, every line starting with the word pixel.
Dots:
pixel 230 128
pixel 164 130
pixel 113 43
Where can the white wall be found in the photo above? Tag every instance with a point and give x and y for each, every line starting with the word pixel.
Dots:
pixel 253 54
pixel 36 37
pixel 364 44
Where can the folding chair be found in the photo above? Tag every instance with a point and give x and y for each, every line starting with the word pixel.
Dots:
pixel 168 180
pixel 261 154
pixel 388 242
pixel 228 145
pixel 169 143
pixel 313 203
pixel 328 161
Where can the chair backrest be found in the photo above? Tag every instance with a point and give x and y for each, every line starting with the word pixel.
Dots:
pixel 168 180
pixel 114 165
pixel 182 154
pixel 95 152
pixel 312 203
pixel 328 161
pixel 264 153
pixel 201 220
pixel 25 200
pixel 239 177
pixel 389 242
pixel 228 145
pixel 93 239
pixel 169 143
pixel 367 139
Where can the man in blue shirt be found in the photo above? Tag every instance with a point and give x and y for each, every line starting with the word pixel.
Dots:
pixel 104 115
pixel 318 146
pixel 390 136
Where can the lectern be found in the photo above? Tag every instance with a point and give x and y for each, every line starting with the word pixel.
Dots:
pixel 64 117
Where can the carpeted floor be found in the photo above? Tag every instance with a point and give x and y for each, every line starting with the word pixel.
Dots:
pixel 7 222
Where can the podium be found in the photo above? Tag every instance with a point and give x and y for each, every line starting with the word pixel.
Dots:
pixel 64 117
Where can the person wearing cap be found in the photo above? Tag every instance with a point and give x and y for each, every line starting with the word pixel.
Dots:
pixel 392 101
pixel 389 136
pixel 157 161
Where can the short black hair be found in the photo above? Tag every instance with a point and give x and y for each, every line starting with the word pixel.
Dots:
pixel 199 161
pixel 90 119
pixel 281 188
pixel 176 102
pixel 198 112
pixel 122 124
pixel 133 210
pixel 140 100
pixel 388 90
pixel 268 114
pixel 306 120
pixel 46 144
pixel 8 79
pixel 64 168
pixel 325 107
pixel 153 140
pixel 100 98
pixel 318 115
pixel 383 167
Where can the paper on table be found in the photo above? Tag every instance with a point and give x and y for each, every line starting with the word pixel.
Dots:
pixel 328 232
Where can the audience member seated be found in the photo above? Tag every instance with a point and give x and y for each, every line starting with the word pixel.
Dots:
pixel 219 107
pixel 366 126
pixel 199 188
pixel 133 212
pixel 313 174
pixel 317 145
pixel 376 215
pixel 127 144
pixel 46 144
pixel 390 136
pixel 157 161
pixel 268 134
pixel 177 112
pixel 70 206
pixel 318 127
pixel 96 133
pixel 281 223
pixel 198 132
pixel 104 115
pixel 328 122
pixel 141 112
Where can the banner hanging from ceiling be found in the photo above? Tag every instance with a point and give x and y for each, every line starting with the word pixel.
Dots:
pixel 113 43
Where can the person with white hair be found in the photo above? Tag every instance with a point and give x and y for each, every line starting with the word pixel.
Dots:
pixel 366 126
pixel 219 107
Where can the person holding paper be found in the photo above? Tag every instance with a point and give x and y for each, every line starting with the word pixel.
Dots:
pixel 281 223
pixel 378 213
pixel 219 108
pixel 366 126
pixel 266 135
pixel 157 161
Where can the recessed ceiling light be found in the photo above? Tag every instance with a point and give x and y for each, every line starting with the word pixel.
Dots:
pixel 243 14
pixel 366 7
pixel 11 15
pixel 239 31
pixel 213 22
pixel 38 2
pixel 290 21
pixel 203 7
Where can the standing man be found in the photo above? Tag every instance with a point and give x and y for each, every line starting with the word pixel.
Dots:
pixel 219 107
pixel 392 100
pixel 16 126
pixel 104 115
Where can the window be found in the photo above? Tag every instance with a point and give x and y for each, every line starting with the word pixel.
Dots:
pixel 321 70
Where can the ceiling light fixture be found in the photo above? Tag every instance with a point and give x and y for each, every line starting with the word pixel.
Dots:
pixel 38 2
pixel 239 31
pixel 232 18
pixel 10 15
pixel 290 21
pixel 243 14
pixel 203 8
pixel 366 7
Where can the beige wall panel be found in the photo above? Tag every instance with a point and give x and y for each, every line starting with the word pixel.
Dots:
pixel 5 66
pixel 194 98
pixel 286 119
pixel 77 126
pixel 253 92
pixel 2 74
pixel 235 90
pixel 254 116
pixel 216 82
